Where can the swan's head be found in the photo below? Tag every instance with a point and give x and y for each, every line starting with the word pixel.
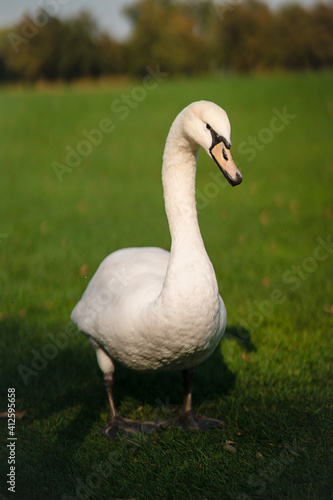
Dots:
pixel 207 125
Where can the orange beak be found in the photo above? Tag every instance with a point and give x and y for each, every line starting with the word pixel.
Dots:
pixel 222 156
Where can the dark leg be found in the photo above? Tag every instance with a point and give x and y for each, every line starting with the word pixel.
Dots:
pixel 186 419
pixel 188 383
pixel 108 383
pixel 118 424
pixel 111 428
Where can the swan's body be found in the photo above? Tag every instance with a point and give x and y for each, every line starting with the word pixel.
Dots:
pixel 124 311
pixel 150 309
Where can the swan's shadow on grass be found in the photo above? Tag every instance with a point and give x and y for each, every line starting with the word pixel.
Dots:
pixel 71 386
pixel 242 336
pixel 212 379
pixel 70 390
pixel 165 389
pixel 76 372
pixel 66 405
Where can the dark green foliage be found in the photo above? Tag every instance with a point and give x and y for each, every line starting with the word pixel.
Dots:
pixel 69 49
pixel 182 37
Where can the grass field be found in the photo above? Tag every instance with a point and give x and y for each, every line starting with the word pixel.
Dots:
pixel 270 241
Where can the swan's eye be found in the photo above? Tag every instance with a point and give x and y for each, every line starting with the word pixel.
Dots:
pixel 208 126
pixel 225 155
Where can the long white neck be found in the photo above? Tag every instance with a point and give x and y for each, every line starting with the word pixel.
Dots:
pixel 178 175
pixel 188 254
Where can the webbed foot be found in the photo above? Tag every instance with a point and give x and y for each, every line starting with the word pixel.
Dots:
pixel 188 421
pixel 120 425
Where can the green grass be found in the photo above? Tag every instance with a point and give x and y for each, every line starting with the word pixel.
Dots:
pixel 270 380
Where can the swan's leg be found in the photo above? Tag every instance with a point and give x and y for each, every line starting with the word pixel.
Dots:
pixel 107 366
pixel 187 419
pixel 116 423
pixel 186 411
pixel 108 384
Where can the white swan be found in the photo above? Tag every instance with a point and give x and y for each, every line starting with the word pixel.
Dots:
pixel 153 310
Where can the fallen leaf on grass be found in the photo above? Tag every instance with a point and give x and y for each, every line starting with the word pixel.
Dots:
pixel 18 414
pixel 272 246
pixel 259 455
pixel 246 358
pixel 265 282
pixel 84 270
pixel 263 217
pixel 329 212
pixel 328 308
pixel 211 405
pixel 241 239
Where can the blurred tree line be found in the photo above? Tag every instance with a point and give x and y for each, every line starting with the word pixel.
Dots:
pixel 181 36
